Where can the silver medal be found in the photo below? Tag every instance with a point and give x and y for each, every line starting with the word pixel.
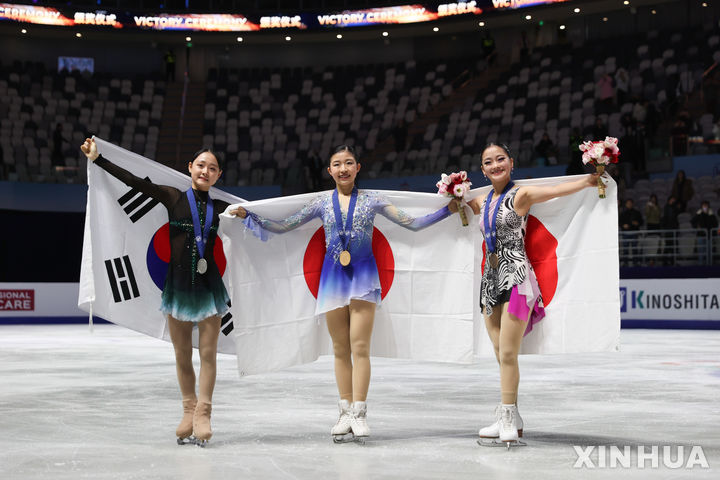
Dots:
pixel 202 266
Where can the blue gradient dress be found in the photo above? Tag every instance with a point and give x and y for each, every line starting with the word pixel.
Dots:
pixel 359 279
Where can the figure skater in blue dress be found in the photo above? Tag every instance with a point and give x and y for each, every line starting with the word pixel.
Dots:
pixel 349 288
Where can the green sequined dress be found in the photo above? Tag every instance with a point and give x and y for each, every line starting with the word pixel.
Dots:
pixel 187 295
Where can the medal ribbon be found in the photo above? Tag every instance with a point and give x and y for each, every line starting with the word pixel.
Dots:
pixel 490 228
pixel 200 240
pixel 344 233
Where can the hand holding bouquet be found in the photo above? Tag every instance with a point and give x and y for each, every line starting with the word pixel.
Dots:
pixel 455 186
pixel 601 154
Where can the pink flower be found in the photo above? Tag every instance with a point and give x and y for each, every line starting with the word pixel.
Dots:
pixel 445 179
pixel 442 188
pixel 459 190
pixel 463 175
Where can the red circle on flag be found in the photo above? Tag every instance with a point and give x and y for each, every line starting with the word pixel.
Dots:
pixel 158 255
pixel 541 249
pixel 315 254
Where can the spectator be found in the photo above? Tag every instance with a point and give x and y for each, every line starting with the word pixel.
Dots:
pixel 630 220
pixel 488 47
pixel 652 213
pixel 169 65
pixel 640 111
pixel 614 171
pixel 682 189
pixel 706 221
pixel 622 83
pixel 576 165
pixel 599 131
pixel 524 46
pixel 605 93
pixel 670 222
pixel 545 151
pixel 652 119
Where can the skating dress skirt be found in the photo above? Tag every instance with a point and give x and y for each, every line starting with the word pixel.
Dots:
pixel 514 279
pixel 187 294
pixel 359 280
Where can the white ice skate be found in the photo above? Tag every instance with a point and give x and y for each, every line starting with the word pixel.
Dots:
pixel 359 430
pixel 342 428
pixel 493 431
pixel 508 434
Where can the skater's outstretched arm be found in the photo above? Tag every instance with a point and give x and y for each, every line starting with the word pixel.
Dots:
pixel 164 194
pixel 402 218
pixel 260 225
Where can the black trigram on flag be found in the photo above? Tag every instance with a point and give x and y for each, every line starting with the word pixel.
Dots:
pixel 122 279
pixel 137 204
pixel 226 322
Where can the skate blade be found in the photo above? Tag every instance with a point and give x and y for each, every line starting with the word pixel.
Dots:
pixel 186 441
pixel 201 443
pixel 495 442
pixel 348 438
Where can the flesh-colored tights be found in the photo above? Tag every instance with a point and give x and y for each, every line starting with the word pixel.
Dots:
pixel 181 336
pixel 350 328
pixel 506 333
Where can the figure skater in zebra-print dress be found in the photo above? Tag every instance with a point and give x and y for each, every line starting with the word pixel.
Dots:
pixel 509 292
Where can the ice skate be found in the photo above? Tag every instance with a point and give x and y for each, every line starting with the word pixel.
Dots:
pixel 201 423
pixel 358 421
pixel 342 428
pixel 184 431
pixel 493 430
pixel 508 434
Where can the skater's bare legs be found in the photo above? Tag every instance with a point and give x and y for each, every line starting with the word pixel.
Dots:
pixel 209 331
pixel 181 337
pixel 338 323
pixel 362 318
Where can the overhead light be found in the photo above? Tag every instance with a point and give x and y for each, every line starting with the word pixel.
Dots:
pixel 78 35
pixel 239 39
pixel 704 4
pixel 528 17
pixel 577 10
pixel 339 35
pixel 626 2
pixel 605 19
pixel 653 11
pixel 385 34
pixel 23 31
pixel 482 24
pixel 188 39
pixel 288 38
pixel 562 27
pixel 436 29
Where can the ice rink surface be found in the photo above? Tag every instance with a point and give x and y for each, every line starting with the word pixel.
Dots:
pixel 105 405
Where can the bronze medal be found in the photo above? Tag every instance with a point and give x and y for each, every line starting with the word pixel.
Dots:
pixel 345 258
pixel 494 260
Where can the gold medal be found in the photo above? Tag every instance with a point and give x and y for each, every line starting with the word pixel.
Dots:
pixel 344 258
pixel 493 259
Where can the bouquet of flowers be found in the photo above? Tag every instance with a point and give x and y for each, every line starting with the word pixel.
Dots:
pixel 601 154
pixel 455 186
